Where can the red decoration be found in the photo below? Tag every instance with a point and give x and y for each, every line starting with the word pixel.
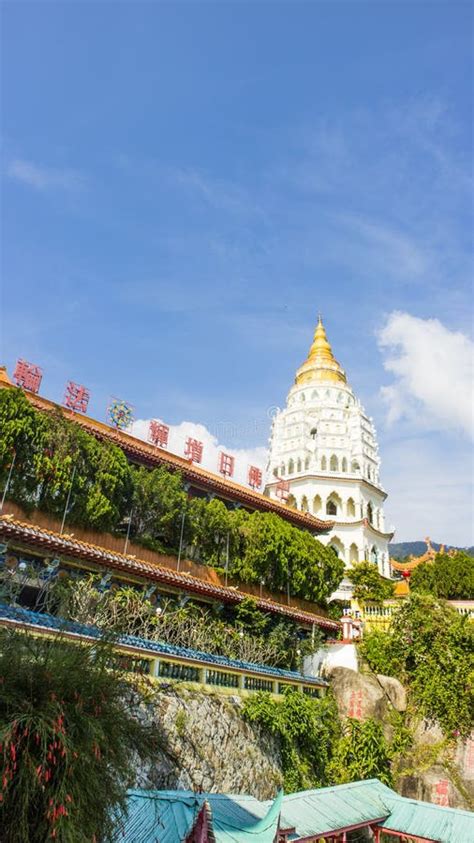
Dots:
pixel 158 434
pixel 76 397
pixel 255 477
pixel 355 705
pixel 193 449
pixel 406 575
pixel 283 490
pixel 441 796
pixel 28 375
pixel 226 464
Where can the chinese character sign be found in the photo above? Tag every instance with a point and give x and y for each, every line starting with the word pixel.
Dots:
pixel 283 490
pixel 76 397
pixel 158 434
pixel 28 375
pixel 120 413
pixel 226 464
pixel 254 477
pixel 355 705
pixel 441 793
pixel 193 449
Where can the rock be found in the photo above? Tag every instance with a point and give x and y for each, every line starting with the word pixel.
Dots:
pixel 364 696
pixel 208 746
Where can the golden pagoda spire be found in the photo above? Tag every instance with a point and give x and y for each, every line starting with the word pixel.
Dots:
pixel 320 364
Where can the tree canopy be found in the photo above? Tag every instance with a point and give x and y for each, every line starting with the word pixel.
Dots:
pixel 54 456
pixel 447 577
pixel 429 647
pixel 368 584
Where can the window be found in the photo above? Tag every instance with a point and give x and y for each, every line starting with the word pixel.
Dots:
pixel 344 464
pixel 323 464
pixel 370 513
pixel 331 508
pixel 334 464
pixel 291 467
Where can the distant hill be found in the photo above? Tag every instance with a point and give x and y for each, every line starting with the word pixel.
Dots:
pixel 398 550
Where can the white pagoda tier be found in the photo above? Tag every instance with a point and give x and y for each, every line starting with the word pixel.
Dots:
pixel 324 460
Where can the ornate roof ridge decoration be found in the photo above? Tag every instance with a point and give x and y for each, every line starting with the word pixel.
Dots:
pixel 155 456
pixel 29 534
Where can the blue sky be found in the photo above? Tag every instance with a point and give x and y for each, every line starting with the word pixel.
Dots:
pixel 185 185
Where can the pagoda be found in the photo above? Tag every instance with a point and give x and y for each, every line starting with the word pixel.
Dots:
pixel 324 459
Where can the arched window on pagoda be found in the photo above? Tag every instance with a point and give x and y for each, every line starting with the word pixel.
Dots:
pixel 317 505
pixel 306 464
pixel 334 464
pixel 291 467
pixel 304 503
pixel 298 466
pixel 344 464
pixel 282 469
pixel 370 513
pixel 333 504
pixel 350 508
pixel 355 467
pixel 323 464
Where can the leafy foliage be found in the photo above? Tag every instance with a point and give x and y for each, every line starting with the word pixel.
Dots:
pixel 368 584
pixel 278 553
pixel 243 632
pixel 361 753
pixel 429 647
pixel 68 740
pixel 307 730
pixel 54 456
pixel 447 577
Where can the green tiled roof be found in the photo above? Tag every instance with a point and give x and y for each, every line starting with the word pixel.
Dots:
pixel 432 822
pixel 168 816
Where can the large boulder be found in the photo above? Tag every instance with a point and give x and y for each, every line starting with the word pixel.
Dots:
pixel 366 697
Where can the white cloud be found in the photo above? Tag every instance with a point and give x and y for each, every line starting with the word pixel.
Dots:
pixel 433 373
pixel 212 447
pixel 43 178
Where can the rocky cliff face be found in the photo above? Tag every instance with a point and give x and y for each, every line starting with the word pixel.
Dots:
pixel 208 746
pixel 435 769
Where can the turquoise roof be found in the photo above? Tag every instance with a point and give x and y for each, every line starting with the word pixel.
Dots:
pixel 169 816
pixel 331 808
pixel 432 822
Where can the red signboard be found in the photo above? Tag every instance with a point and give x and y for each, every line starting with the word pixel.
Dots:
pixel 193 449
pixel 283 490
pixel 28 375
pixel 226 464
pixel 158 433
pixel 76 397
pixel 254 477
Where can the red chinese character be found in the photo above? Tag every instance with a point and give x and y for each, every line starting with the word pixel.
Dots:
pixel 193 449
pixel 283 490
pixel 355 705
pixel 28 375
pixel 158 433
pixel 226 464
pixel 255 477
pixel 76 397
pixel 441 793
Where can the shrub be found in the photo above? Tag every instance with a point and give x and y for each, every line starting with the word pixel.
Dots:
pixel 429 647
pixel 68 740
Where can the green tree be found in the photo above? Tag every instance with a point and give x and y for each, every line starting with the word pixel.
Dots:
pixel 447 577
pixel 22 437
pixel 361 753
pixel 307 730
pixel 69 737
pixel 159 501
pixel 285 557
pixel 368 584
pixel 429 647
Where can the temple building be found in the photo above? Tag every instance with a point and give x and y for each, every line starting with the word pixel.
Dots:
pixel 324 459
